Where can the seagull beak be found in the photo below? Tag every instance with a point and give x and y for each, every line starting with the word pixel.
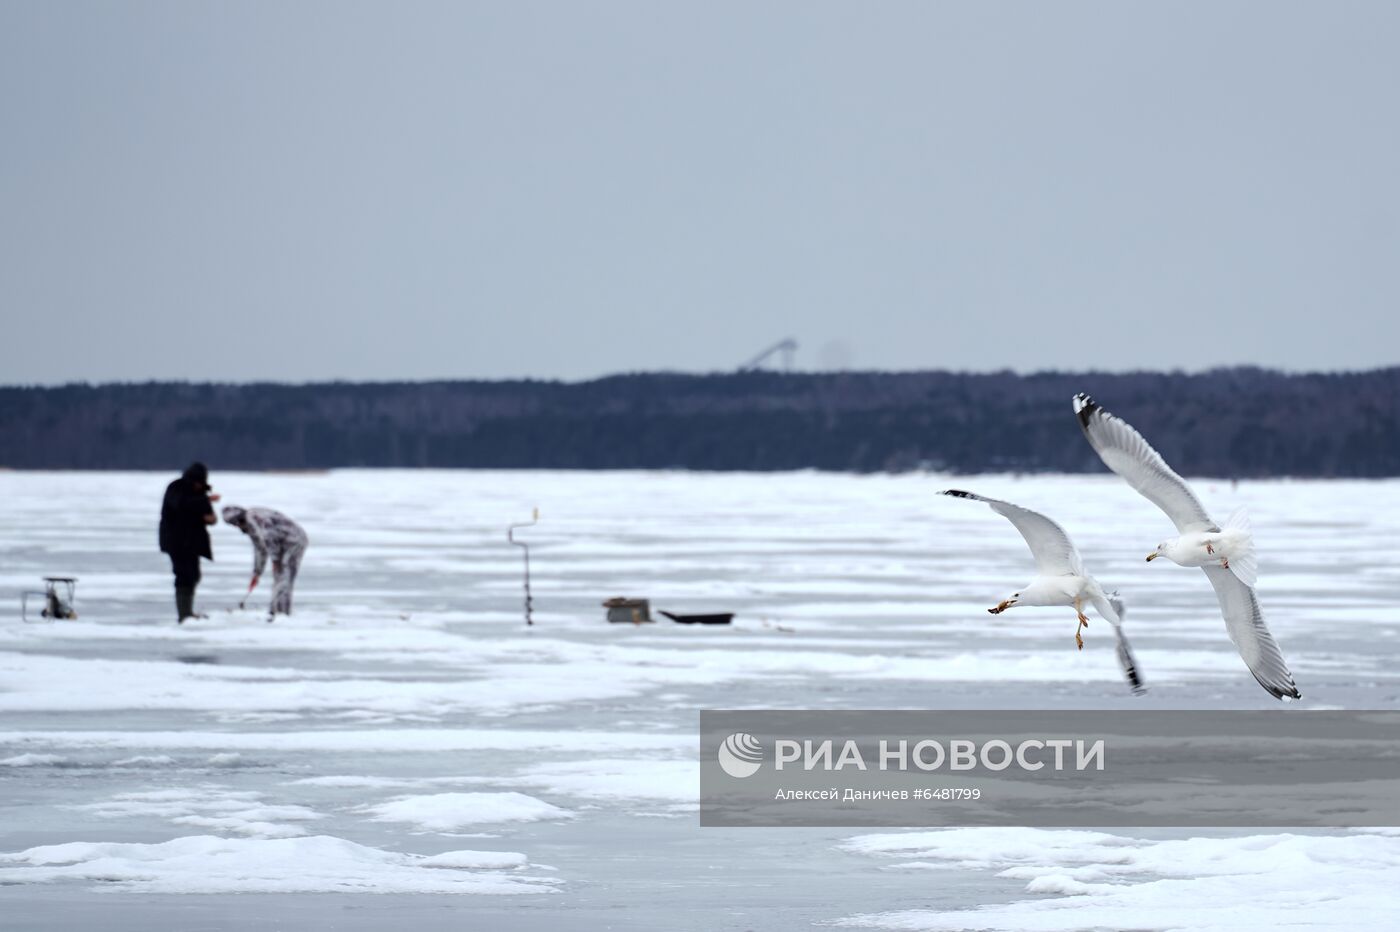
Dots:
pixel 1152 556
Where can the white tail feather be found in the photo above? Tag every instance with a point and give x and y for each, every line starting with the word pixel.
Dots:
pixel 1243 562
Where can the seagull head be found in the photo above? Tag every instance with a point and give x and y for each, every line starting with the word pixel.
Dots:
pixel 1161 551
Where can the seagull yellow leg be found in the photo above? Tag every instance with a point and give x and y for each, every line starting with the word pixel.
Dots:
pixel 1083 622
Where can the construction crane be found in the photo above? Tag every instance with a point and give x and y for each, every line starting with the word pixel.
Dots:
pixel 787 347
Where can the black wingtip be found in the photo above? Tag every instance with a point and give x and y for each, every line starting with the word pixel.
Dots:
pixel 1085 406
pixel 957 493
pixel 1130 672
pixel 1291 692
pixel 1134 681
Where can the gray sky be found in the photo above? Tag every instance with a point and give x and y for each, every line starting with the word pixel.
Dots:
pixel 409 190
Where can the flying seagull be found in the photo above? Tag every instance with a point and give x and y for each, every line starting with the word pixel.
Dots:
pixel 1060 578
pixel 1226 555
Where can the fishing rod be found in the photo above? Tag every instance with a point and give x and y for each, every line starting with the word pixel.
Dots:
pixel 510 536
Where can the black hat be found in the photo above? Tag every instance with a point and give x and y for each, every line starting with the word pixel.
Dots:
pixel 198 472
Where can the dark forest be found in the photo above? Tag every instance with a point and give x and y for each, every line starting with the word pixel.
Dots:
pixel 1228 423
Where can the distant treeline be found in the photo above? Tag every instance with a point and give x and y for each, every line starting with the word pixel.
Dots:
pixel 1226 422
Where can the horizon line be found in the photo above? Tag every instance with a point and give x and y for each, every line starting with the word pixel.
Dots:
pixel 714 374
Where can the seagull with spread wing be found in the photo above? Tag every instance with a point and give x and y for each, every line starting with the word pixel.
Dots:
pixel 1060 578
pixel 1226 555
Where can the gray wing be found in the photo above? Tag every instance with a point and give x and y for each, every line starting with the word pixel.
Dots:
pixel 1054 552
pixel 1124 451
pixel 1244 620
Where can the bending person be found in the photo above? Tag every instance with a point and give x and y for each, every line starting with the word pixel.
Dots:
pixel 277 536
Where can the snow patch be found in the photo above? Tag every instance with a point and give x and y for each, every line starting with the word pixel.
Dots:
pixel 477 860
pixel 208 806
pixel 144 760
pixel 32 760
pixel 1095 880
pixel 317 864
pixel 448 812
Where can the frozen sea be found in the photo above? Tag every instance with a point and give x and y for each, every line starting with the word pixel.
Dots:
pixel 405 751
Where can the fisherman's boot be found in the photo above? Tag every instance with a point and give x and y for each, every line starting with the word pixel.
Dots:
pixel 184 602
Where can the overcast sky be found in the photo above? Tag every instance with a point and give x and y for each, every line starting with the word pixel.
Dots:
pixel 303 191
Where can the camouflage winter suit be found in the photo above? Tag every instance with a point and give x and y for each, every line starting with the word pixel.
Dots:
pixel 276 535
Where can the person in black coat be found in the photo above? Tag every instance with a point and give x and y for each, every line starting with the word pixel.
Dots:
pixel 185 516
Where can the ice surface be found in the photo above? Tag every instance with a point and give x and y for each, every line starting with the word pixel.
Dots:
pixel 407 686
pixel 618 779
